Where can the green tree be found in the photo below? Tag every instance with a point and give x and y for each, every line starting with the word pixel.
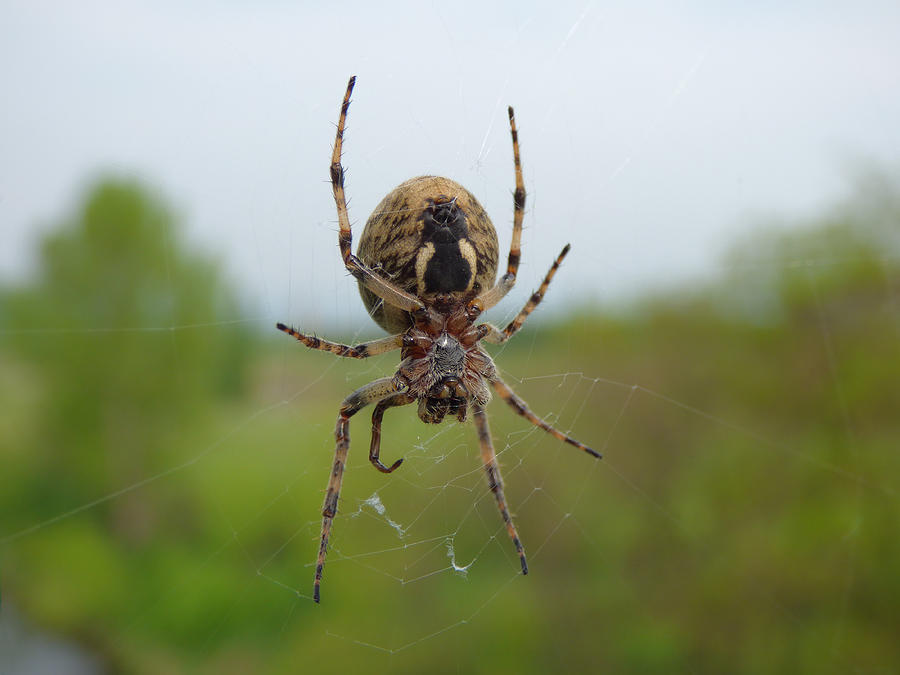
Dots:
pixel 127 334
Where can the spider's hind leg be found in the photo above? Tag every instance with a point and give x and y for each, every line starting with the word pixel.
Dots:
pixel 360 271
pixel 360 351
pixel 495 294
pixel 495 335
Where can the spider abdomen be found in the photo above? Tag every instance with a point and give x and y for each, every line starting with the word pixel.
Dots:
pixel 430 237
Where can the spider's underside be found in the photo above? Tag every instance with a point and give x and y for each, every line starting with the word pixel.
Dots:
pixel 426 269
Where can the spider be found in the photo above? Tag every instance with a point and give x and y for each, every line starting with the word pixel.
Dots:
pixel 426 269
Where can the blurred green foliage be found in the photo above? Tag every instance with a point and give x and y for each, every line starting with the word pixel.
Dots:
pixel 118 336
pixel 164 470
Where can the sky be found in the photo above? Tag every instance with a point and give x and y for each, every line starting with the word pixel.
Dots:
pixel 653 135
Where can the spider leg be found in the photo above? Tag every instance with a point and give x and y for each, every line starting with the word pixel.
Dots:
pixel 377 415
pixel 494 295
pixel 378 285
pixel 495 335
pixel 495 482
pixel 521 407
pixel 360 351
pixel 359 399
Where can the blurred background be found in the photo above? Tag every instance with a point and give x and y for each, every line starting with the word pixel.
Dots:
pixel 726 330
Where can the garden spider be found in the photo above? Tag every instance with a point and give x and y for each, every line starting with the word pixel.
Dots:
pixel 426 269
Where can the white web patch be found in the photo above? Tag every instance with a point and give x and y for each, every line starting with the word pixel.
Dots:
pixel 374 503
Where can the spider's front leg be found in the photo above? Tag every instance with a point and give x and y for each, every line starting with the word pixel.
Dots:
pixel 359 399
pixel 495 482
pixel 377 415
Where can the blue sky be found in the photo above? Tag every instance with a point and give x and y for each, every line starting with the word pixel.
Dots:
pixel 653 134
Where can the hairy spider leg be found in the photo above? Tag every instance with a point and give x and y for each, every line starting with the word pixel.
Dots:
pixel 521 407
pixel 359 399
pixel 377 415
pixel 376 284
pixel 495 481
pixel 360 351
pixel 495 335
pixel 494 295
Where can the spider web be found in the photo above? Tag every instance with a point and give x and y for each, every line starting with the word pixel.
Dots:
pixel 430 535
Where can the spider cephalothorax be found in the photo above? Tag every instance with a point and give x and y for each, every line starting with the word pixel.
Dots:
pixel 443 367
pixel 426 269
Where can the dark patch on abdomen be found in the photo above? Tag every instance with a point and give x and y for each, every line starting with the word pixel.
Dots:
pixel 447 270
